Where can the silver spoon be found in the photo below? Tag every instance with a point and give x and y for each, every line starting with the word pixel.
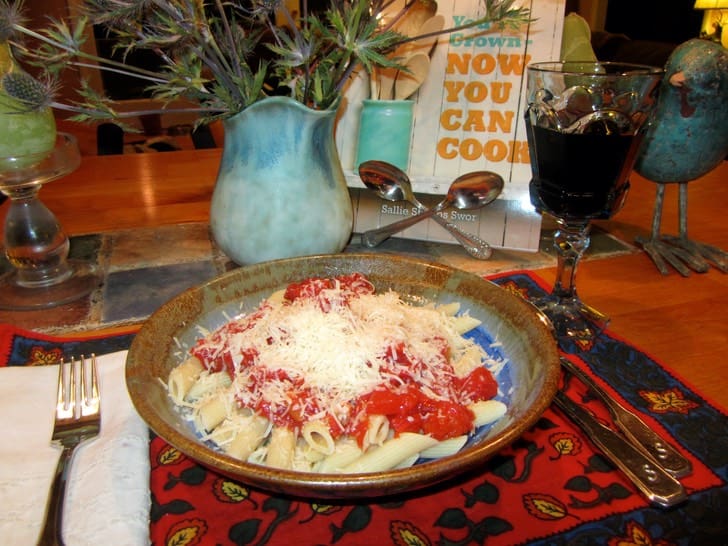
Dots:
pixel 469 191
pixel 393 184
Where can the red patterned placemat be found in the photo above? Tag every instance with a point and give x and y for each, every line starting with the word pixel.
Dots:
pixel 549 487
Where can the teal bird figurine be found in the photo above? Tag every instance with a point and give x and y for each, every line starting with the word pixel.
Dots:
pixel 687 138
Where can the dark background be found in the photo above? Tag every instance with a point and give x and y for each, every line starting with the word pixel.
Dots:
pixel 673 21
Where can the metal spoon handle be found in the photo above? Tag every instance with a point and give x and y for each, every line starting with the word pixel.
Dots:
pixel 473 245
pixel 373 237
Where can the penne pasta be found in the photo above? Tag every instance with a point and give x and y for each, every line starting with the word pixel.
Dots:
pixel 449 309
pixel 318 437
pixel 207 384
pixel 377 430
pixel 281 446
pixel 464 323
pixel 468 361
pixel 391 453
pixel 182 378
pixel 276 297
pixel 445 448
pixel 409 461
pixel 250 434
pixel 305 458
pixel 346 452
pixel 211 414
pixel 487 411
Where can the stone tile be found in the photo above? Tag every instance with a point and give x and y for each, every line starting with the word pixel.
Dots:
pixel 501 260
pixel 455 256
pixel 86 247
pixel 144 268
pixel 134 294
pixel 164 245
pixel 413 248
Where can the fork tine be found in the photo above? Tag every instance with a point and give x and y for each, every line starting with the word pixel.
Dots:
pixel 65 405
pixel 90 391
pixel 71 398
pixel 61 398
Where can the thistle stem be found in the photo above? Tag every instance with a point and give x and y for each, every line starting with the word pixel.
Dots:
pixel 229 37
pixel 100 114
pixel 120 67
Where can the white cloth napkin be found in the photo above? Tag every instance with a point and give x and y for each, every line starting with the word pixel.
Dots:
pixel 108 489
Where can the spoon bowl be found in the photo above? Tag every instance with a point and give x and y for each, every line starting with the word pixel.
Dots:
pixel 472 191
pixel 388 181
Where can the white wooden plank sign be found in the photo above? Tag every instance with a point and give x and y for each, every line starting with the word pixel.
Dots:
pixel 468 116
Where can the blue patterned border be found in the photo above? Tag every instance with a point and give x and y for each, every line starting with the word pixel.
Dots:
pixel 702 429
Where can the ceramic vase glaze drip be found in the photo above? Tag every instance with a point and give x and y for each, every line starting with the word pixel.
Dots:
pixel 280 190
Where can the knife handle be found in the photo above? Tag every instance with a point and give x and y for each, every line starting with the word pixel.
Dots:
pixel 665 454
pixel 657 485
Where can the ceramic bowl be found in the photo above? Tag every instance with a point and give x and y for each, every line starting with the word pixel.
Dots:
pixel 529 380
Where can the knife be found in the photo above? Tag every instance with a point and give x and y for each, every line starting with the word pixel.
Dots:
pixel 634 428
pixel 657 485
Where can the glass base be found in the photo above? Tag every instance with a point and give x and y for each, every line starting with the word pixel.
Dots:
pixel 572 319
pixel 84 279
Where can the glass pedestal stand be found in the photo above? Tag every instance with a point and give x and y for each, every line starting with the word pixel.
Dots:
pixel 571 318
pixel 34 242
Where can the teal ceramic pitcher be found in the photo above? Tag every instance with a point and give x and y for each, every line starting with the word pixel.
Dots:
pixel 280 190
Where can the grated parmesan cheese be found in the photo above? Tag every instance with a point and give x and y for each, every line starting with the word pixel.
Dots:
pixel 340 347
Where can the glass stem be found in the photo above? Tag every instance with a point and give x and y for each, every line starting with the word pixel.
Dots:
pixel 570 241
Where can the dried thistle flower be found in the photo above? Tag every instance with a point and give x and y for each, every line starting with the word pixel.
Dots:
pixel 12 17
pixel 30 94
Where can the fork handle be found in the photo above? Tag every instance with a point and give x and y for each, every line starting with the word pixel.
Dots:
pixel 52 527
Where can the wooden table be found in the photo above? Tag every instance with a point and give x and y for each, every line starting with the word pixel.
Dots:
pixel 679 321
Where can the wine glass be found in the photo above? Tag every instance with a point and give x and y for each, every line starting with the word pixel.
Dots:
pixel 584 122
pixel 35 244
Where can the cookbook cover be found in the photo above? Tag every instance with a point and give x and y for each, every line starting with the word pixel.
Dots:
pixel 468 116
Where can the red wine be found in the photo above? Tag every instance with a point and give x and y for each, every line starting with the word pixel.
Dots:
pixel 580 176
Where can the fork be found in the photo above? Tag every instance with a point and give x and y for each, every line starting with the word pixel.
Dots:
pixel 78 418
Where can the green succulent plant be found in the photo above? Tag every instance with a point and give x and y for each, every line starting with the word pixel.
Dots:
pixel 224 55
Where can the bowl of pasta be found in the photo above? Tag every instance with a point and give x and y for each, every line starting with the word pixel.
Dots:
pixel 343 376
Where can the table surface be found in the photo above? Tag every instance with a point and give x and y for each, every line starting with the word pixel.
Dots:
pixel 679 321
